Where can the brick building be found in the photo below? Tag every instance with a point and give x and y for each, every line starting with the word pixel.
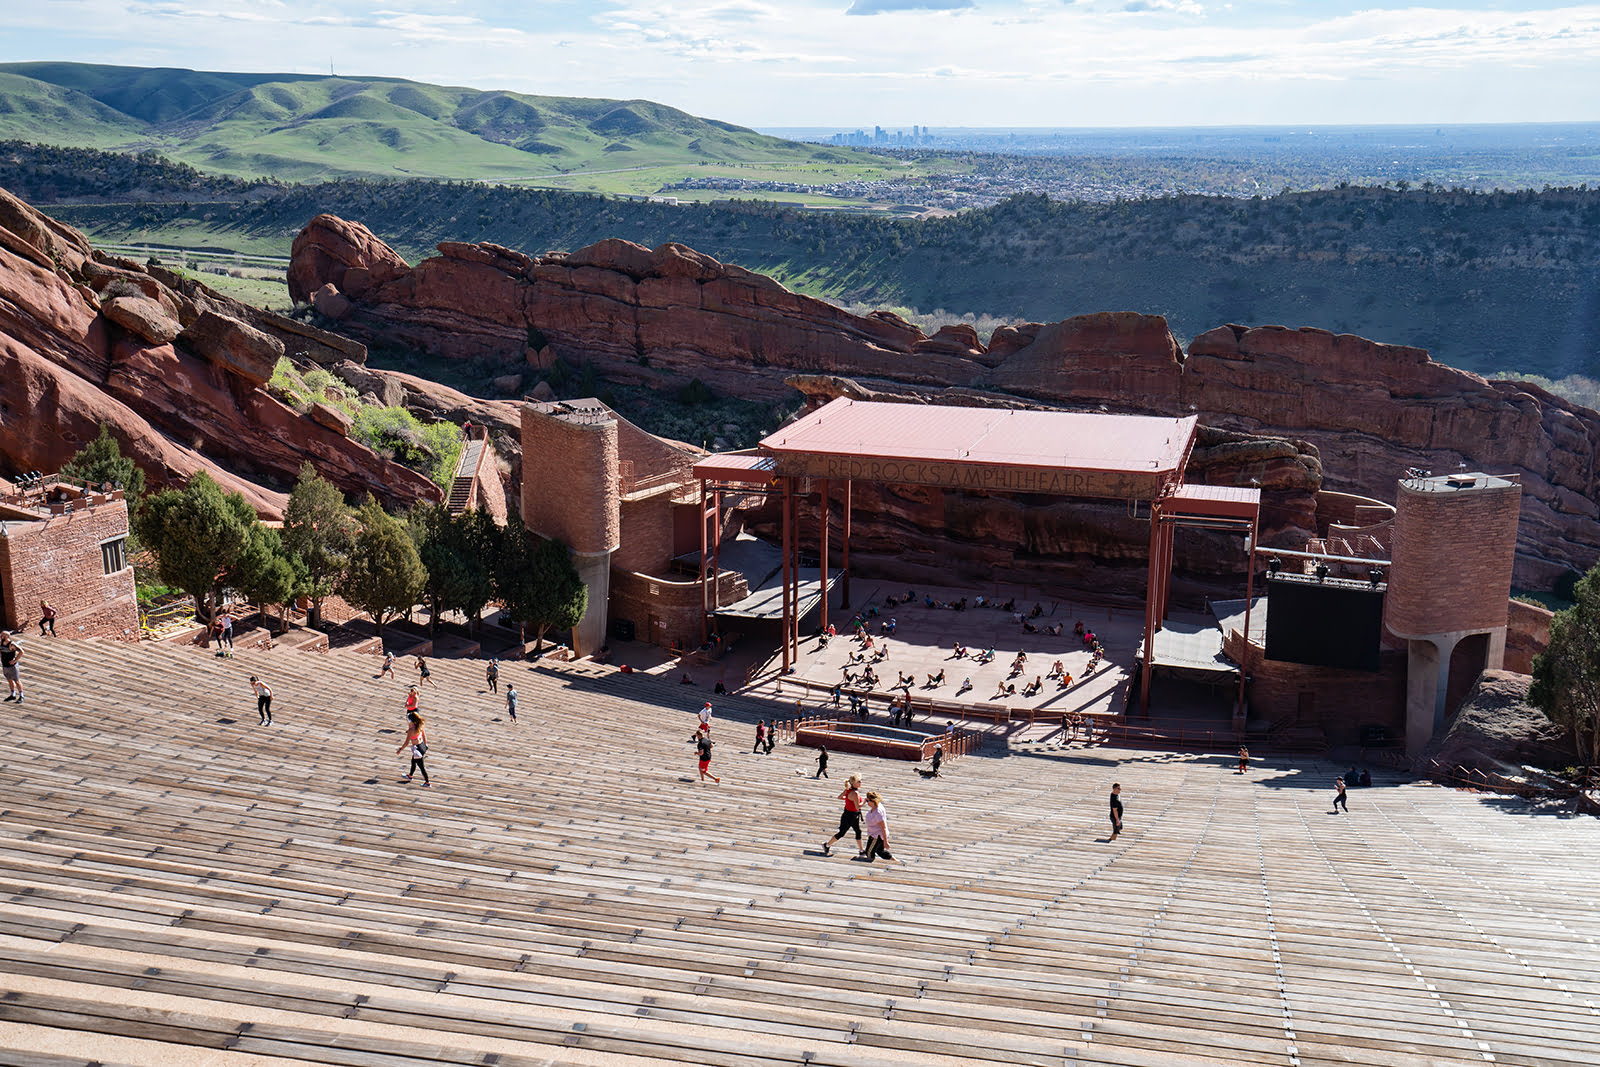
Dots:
pixel 67 545
pixel 625 502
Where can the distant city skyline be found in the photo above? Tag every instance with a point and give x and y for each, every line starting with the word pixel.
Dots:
pixel 896 63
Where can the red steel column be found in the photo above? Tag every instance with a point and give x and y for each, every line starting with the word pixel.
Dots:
pixel 844 583
pixel 787 535
pixel 826 518
pixel 1151 595
pixel 705 600
pixel 1240 715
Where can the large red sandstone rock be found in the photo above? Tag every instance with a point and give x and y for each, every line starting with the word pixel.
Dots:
pixel 173 411
pixel 143 317
pixel 652 317
pixel 327 249
pixel 1370 410
pixel 1120 359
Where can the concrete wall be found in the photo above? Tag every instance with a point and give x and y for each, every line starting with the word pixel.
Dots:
pixel 59 559
pixel 1527 635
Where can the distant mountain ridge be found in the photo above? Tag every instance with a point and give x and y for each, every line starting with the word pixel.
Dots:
pixel 302 126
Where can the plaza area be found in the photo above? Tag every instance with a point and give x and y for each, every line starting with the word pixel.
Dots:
pixel 179 885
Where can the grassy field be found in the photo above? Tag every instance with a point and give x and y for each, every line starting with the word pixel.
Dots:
pixel 311 128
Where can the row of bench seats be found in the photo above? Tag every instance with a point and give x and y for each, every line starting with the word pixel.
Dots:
pixel 174 877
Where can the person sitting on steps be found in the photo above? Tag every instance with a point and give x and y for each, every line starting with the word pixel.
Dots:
pixel 936 680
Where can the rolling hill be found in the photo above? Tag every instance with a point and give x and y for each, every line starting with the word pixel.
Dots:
pixel 314 127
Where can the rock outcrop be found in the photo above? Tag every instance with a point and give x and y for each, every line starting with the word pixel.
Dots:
pixel 655 318
pixel 1496 729
pixel 174 373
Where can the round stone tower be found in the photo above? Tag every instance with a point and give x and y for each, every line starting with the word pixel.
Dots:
pixel 1454 544
pixel 570 492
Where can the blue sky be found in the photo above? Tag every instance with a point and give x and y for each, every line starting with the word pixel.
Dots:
pixel 895 62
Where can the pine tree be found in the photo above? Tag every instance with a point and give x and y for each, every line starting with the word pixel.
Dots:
pixel 1566 675
pixel 317 528
pixel 384 576
pixel 197 533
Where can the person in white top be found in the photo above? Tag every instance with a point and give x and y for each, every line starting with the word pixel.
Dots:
pixel 263 700
pixel 705 718
pixel 875 820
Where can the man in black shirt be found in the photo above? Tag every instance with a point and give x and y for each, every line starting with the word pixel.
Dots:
pixel 1116 810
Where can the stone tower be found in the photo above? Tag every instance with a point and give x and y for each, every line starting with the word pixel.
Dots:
pixel 1455 538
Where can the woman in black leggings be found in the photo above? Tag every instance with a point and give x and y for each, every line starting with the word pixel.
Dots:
pixel 417 738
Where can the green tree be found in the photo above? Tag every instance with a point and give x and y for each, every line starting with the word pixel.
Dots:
pixel 538 584
pixel 197 533
pixel 1566 675
pixel 267 572
pixel 384 576
pixel 317 528
pixel 458 552
pixel 101 460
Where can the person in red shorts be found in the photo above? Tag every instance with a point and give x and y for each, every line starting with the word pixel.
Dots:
pixel 702 742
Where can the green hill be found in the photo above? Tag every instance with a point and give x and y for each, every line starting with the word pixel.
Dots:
pixel 313 128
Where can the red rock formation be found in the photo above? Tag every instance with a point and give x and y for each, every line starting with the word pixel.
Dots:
pixel 651 317
pixel 1370 410
pixel 66 367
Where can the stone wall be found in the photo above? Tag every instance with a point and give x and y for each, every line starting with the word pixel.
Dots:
pixel 673 603
pixel 569 481
pixel 59 559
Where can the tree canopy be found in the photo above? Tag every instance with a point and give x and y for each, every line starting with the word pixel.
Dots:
pixel 101 460
pixel 317 528
pixel 266 572
pixel 538 584
pixel 1566 675
pixel 458 552
pixel 197 534
pixel 384 576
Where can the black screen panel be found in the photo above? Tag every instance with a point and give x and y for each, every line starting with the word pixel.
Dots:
pixel 1324 624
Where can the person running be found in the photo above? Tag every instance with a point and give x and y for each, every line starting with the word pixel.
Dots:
pixel 511 702
pixel 417 738
pixel 850 820
pixel 1244 760
pixel 423 674
pixel 263 700
pixel 388 666
pixel 705 719
pixel 491 674
pixel 226 636
pixel 47 618
pixel 10 665
pixel 876 818
pixel 772 735
pixel 1340 800
pixel 702 743
pixel 1116 811
pixel 822 762
pixel 412 699
pixel 761 738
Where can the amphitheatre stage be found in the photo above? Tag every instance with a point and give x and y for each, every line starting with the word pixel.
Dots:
pixel 181 887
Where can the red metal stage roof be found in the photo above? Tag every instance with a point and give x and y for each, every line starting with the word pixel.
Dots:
pixel 987 448
pixel 1218 501
pixel 736 467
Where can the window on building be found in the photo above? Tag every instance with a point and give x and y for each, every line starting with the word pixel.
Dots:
pixel 114 555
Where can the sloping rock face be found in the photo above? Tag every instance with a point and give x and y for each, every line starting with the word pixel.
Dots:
pixel 654 318
pixel 67 364
pixel 1373 410
pixel 1497 727
pixel 1361 411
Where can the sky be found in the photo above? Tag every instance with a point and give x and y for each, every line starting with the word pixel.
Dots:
pixel 895 63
